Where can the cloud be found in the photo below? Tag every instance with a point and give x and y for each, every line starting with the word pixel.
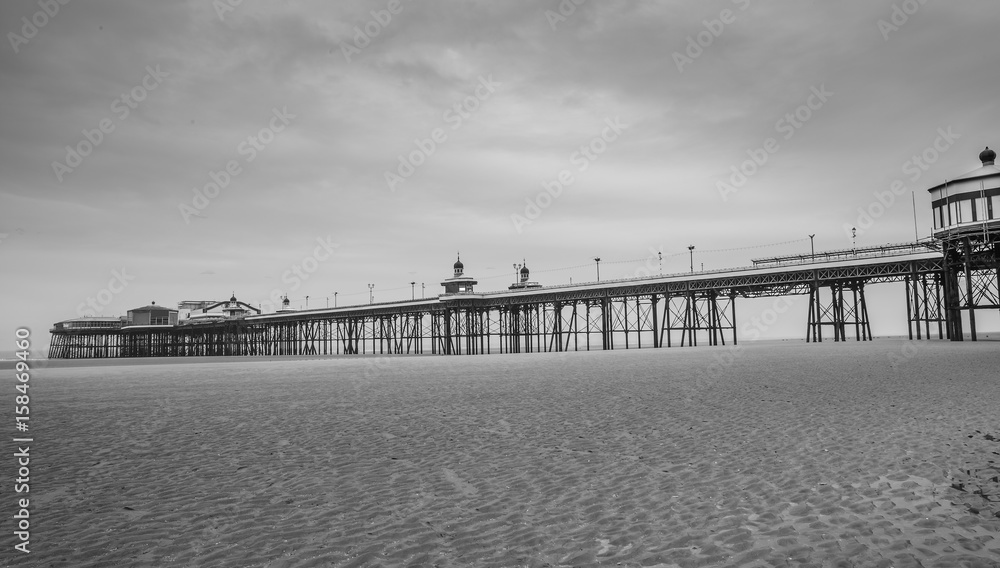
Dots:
pixel 324 175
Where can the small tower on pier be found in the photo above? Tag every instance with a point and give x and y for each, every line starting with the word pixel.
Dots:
pixel 231 309
pixel 286 306
pixel 460 283
pixel 235 309
pixel 966 212
pixel 524 282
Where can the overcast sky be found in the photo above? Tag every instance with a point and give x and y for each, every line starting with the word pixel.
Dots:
pixel 338 124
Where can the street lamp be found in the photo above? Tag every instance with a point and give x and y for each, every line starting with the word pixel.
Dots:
pixel 421 290
pixel 307 302
pixel 812 246
pixel 597 259
pixel 413 295
pixel 335 299
pixel 371 293
pixel 854 240
pixel 691 251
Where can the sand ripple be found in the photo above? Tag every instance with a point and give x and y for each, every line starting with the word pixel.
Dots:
pixel 821 455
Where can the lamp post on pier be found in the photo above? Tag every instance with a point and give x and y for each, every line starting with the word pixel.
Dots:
pixel 812 247
pixel 597 259
pixel 691 251
pixel 412 291
pixel 371 293
pixel 335 299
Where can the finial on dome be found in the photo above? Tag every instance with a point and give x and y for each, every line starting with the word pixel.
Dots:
pixel 987 156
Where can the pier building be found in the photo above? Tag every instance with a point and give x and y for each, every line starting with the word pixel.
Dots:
pixel 966 214
pixel 459 283
pixel 151 315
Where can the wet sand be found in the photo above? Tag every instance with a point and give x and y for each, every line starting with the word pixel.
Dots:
pixel 769 455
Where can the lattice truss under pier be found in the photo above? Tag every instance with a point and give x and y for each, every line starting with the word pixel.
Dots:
pixel 841 312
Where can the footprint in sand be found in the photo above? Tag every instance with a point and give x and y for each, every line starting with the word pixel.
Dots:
pixel 605 546
pixel 462 486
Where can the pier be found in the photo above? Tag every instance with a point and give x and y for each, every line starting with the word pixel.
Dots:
pixel 947 279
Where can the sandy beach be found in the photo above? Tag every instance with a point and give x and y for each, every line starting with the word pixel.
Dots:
pixel 766 455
